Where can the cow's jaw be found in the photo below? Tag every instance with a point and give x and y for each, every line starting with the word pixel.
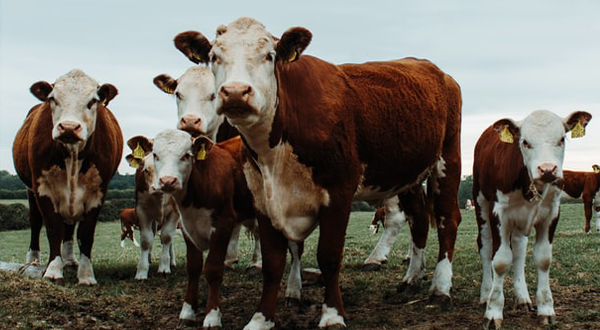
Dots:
pixel 196 103
pixel 172 160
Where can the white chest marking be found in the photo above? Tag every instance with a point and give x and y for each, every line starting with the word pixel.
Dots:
pixel 197 225
pixel 284 190
pixel 72 193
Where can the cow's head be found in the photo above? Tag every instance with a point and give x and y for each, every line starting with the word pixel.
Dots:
pixel 140 158
pixel 74 100
pixel 195 95
pixel 243 59
pixel 541 138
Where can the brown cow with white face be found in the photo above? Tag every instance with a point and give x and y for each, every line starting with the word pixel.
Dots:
pixel 587 186
pixel 320 135
pixel 66 152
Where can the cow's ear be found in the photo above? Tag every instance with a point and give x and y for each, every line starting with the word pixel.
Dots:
pixel 507 129
pixel 165 83
pixel 134 162
pixel 292 43
pixel 140 146
pixel 41 90
pixel 106 93
pixel 596 168
pixel 576 123
pixel 201 147
pixel 194 45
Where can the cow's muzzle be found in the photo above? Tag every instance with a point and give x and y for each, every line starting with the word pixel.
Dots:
pixel 547 172
pixel 168 184
pixel 69 132
pixel 191 124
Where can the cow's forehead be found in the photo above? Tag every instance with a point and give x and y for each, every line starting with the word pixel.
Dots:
pixel 196 78
pixel 246 32
pixel 172 142
pixel 542 125
pixel 75 82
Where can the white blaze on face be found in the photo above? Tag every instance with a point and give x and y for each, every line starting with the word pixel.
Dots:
pixel 150 173
pixel 243 54
pixel 196 96
pixel 74 101
pixel 172 159
pixel 542 142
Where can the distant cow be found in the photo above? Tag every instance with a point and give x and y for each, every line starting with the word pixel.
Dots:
pixel 153 208
pixel 587 186
pixel 392 227
pixel 319 135
pixel 66 152
pixel 517 181
pixel 129 222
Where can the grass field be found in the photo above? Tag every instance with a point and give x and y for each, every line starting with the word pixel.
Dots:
pixel 371 300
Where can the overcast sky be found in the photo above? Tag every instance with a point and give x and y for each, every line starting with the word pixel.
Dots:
pixel 510 57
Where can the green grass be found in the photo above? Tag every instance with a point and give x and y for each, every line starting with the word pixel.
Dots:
pixel 14 201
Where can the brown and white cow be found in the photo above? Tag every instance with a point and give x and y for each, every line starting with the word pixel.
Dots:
pixel 129 222
pixel 66 152
pixel 154 209
pixel 517 181
pixel 320 135
pixel 587 186
pixel 392 225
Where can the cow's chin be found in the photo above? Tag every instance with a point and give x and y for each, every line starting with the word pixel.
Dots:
pixel 193 132
pixel 237 110
pixel 72 146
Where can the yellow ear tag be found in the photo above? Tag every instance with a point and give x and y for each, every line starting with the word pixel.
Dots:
pixel 293 57
pixel 138 152
pixel 134 163
pixel 197 57
pixel 201 155
pixel 506 136
pixel 578 131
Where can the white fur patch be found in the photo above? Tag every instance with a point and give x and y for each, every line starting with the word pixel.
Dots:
pixel 259 322
pixel 416 267
pixel 197 225
pixel 33 256
pixel 330 317
pixel 442 278
pixel 187 313
pixel 55 269
pixel 294 284
pixel 170 148
pixel 68 254
pixel 212 319
pixel 85 272
pixel 394 221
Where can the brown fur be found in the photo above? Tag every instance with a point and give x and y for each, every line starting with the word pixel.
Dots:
pixel 584 185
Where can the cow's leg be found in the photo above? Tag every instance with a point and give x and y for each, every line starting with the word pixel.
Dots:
pixel 233 246
pixel 588 203
pixel 484 243
pixel 194 261
pixel 500 265
pixel 256 263
pixel 417 217
pixel 273 247
pixel 213 270
pixel 597 209
pixel 167 232
pixel 333 221
pixel 55 232
pixel 542 258
pixel 519 250
pixel 35 221
pixel 443 186
pixel 147 239
pixel 68 252
pixel 85 237
pixel 394 221
pixel 294 284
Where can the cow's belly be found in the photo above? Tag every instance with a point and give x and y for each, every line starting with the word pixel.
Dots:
pixel 285 191
pixel 197 226
pixel 71 195
pixel 597 201
pixel 512 208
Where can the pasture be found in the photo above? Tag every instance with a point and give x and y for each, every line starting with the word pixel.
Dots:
pixel 371 298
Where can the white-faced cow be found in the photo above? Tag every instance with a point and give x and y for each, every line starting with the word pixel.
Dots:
pixel 129 222
pixel 320 135
pixel 587 186
pixel 195 96
pixel 154 209
pixel 517 181
pixel 66 152
pixel 392 226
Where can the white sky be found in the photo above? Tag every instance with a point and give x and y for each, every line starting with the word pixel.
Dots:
pixel 510 57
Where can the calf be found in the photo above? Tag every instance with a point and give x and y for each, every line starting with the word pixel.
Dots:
pixel 587 186
pixel 320 135
pixel 153 208
pixel 129 222
pixel 392 226
pixel 66 152
pixel 517 181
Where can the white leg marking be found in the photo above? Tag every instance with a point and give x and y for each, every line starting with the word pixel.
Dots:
pixel 519 250
pixel 257 255
pixel 135 242
pixel 394 221
pixel 212 319
pixel 442 278
pixel 166 237
pixel 330 317
pixel 85 271
pixel 123 243
pixel 233 247
pixel 68 254
pixel 147 238
pixel 294 284
pixel 486 263
pixel 55 269
pixel 542 257
pixel 259 322
pixel 598 222
pixel 501 264
pixel 416 267
pixel 187 313
pixel 33 257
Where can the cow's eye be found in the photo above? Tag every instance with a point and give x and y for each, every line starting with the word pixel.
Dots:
pixel 185 158
pixel 212 97
pixel 52 100
pixel 526 144
pixel 561 142
pixel 156 158
pixel 178 95
pixel 214 58
pixel 91 103
pixel 270 57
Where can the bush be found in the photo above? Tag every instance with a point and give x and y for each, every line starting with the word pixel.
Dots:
pixel 111 209
pixel 13 194
pixel 13 217
pixel 362 206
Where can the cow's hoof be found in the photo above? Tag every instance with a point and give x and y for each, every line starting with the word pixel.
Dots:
pixel 183 324
pixel 335 327
pixel 371 267
pixel 524 306
pixel 491 324
pixel 545 319
pixel 292 302
pixel 408 288
pixel 253 271
pixel 311 276
pixel 444 301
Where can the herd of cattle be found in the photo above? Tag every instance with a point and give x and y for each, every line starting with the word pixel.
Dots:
pixel 383 132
